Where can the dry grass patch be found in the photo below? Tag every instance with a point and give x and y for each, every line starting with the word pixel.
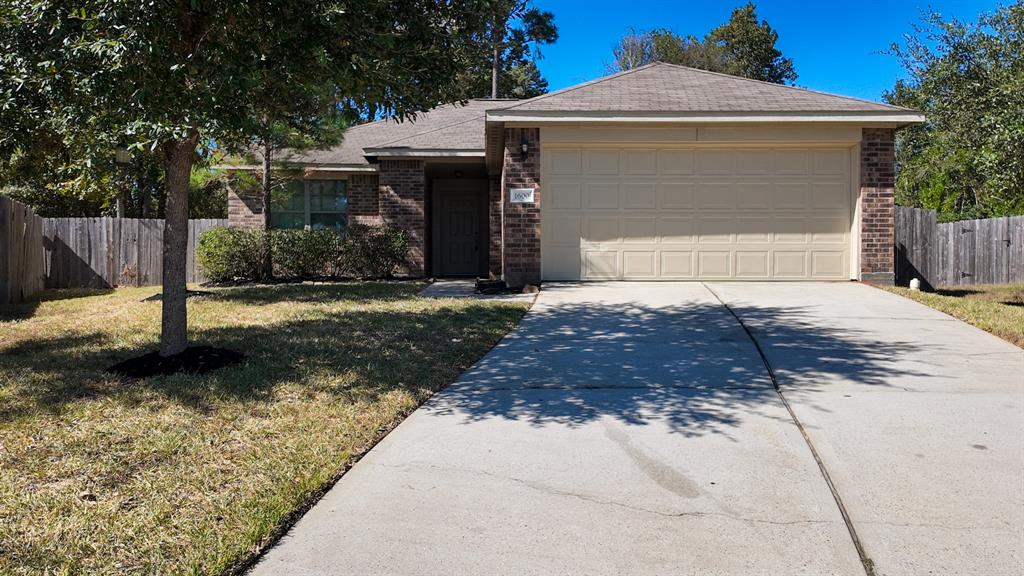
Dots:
pixel 190 474
pixel 997 308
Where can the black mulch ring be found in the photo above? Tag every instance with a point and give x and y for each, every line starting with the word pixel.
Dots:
pixel 194 360
pixel 493 287
pixel 188 294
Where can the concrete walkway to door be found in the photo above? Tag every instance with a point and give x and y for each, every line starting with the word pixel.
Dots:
pixel 630 428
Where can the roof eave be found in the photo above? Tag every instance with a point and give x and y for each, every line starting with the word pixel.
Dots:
pixel 423 152
pixel 897 118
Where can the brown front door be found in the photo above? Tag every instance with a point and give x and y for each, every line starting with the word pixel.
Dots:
pixel 460 238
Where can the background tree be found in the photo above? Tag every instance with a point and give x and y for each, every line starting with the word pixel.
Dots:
pixel 967 159
pixel 505 64
pixel 174 77
pixel 743 46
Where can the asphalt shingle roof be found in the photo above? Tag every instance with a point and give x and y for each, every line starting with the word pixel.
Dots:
pixel 448 127
pixel 656 88
pixel 666 88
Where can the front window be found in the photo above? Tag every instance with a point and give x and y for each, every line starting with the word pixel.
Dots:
pixel 311 204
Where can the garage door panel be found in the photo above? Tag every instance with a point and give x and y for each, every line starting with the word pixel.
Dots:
pixel 676 264
pixel 829 195
pixel 790 196
pixel 564 230
pixel 753 195
pixel 639 264
pixel 754 162
pixel 715 162
pixel 601 229
pixel 601 195
pixel 791 162
pixel 601 264
pixel 600 162
pixel 790 264
pixel 565 162
pixel 675 195
pixel 752 264
pixel 675 230
pixel 827 263
pixel 639 195
pixel 565 195
pixel 642 162
pixel 830 162
pixel 561 262
pixel 753 230
pixel 714 230
pixel 675 162
pixel 691 213
pixel 715 196
pixel 639 230
pixel 714 264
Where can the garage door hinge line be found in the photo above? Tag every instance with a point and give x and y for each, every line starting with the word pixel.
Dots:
pixel 869 565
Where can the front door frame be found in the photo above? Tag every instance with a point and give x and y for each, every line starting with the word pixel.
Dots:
pixel 480 190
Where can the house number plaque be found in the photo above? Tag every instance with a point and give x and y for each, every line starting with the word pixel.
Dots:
pixel 521 195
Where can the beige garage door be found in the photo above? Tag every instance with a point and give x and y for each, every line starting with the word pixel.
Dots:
pixel 699 213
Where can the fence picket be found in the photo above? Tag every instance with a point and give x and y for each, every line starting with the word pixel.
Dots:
pixel 968 252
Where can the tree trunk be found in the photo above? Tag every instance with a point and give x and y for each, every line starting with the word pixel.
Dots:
pixel 495 62
pixel 268 261
pixel 179 155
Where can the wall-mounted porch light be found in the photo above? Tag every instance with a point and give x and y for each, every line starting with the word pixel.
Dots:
pixel 524 149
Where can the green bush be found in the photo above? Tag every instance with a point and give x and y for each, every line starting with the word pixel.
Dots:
pixel 232 254
pixel 305 253
pixel 372 251
pixel 226 254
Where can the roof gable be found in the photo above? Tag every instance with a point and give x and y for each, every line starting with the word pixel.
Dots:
pixel 667 88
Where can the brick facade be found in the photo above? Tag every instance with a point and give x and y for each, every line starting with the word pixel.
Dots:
pixel 877 205
pixel 245 208
pixel 364 199
pixel 402 197
pixel 494 225
pixel 521 222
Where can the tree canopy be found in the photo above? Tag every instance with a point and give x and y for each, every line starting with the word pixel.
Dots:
pixel 743 46
pixel 176 77
pixel 504 63
pixel 967 160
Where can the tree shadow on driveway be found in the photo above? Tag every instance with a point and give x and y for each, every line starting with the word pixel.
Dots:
pixel 690 365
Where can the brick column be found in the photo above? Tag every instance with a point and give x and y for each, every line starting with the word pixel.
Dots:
pixel 245 207
pixel 364 199
pixel 402 186
pixel 521 222
pixel 877 205
pixel 494 225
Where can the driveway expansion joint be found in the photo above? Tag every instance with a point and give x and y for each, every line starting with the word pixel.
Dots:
pixel 866 562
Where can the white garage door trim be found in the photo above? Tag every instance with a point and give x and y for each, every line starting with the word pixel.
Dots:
pixel 656 211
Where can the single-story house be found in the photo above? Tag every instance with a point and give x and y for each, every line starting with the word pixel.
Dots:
pixel 658 173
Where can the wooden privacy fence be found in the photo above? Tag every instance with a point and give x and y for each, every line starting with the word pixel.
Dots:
pixel 989 251
pixel 21 252
pixel 106 252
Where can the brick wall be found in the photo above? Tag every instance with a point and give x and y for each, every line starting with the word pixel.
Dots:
pixel 245 208
pixel 494 225
pixel 878 211
pixel 402 197
pixel 364 199
pixel 521 223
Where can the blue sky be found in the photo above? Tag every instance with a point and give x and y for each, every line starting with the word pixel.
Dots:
pixel 835 45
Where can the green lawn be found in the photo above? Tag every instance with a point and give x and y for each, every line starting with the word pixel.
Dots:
pixel 997 308
pixel 192 474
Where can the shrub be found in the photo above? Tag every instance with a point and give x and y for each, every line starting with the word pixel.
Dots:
pixel 305 253
pixel 226 254
pixel 230 254
pixel 372 251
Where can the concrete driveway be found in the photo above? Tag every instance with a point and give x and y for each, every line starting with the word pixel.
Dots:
pixel 630 428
